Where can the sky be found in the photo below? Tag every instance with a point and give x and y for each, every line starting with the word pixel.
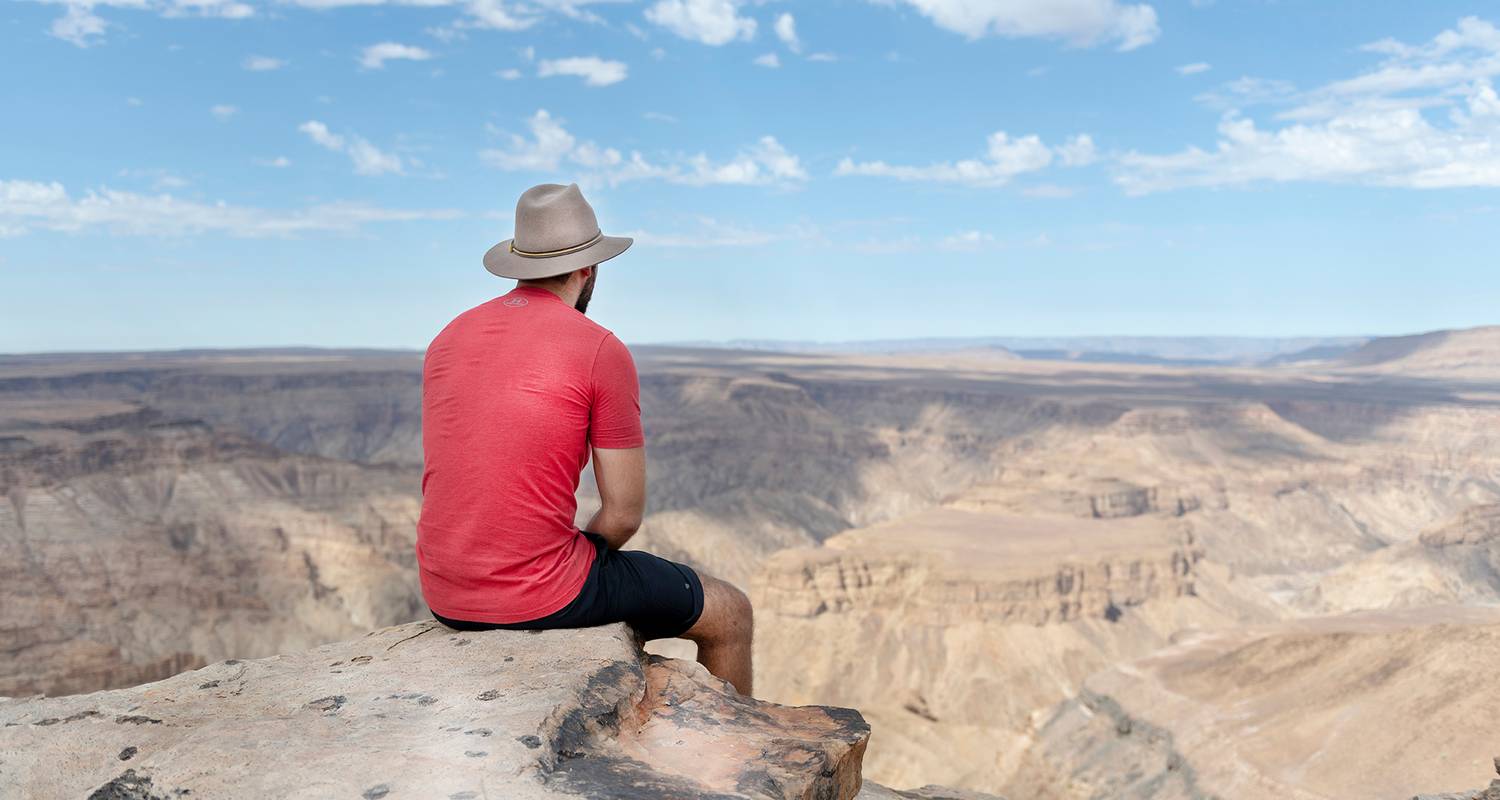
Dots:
pixel 236 173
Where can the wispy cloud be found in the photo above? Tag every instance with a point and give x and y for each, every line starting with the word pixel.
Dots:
pixel 375 56
pixel 710 233
pixel 223 112
pixel 1427 116
pixel 769 60
pixel 262 63
pixel 550 145
pixel 1085 24
pixel 595 71
pixel 27 206
pixel 1004 158
pixel 368 159
pixel 1194 68
pixel 81 25
pixel 786 31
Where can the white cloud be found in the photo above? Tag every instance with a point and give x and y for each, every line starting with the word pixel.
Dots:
pixel 511 74
pixel 712 22
pixel 1427 116
pixel 768 60
pixel 370 160
pixel 375 56
pixel 223 112
pixel 1078 22
pixel 320 134
pixel 79 25
pixel 32 205
pixel 1194 68
pixel 367 158
pixel 595 71
pixel 786 31
pixel 1078 151
pixel 279 162
pixel 82 26
pixel 822 57
pixel 224 9
pixel 551 147
pixel 967 241
pixel 262 63
pixel 1049 191
pixel 498 15
pixel 1005 158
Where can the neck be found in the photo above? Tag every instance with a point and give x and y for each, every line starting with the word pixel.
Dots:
pixel 567 292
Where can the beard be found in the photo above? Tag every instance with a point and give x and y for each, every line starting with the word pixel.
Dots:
pixel 587 292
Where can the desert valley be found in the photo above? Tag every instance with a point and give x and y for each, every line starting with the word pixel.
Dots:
pixel 1041 577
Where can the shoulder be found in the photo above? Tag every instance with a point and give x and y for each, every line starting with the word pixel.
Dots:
pixel 462 321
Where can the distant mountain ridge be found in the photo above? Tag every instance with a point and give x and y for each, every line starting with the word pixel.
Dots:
pixel 1469 352
pixel 1180 350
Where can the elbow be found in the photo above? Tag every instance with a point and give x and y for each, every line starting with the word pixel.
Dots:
pixel 625 519
pixel 631 522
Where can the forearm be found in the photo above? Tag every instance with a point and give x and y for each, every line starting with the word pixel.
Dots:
pixel 615 526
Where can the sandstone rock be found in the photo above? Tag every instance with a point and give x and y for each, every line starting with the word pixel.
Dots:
pixel 874 791
pixel 1475 525
pixel 419 710
pixel 1492 793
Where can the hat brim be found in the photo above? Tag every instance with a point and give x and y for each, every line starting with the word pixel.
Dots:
pixel 501 261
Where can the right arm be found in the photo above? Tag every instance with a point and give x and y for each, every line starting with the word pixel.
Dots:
pixel 619 444
pixel 621 477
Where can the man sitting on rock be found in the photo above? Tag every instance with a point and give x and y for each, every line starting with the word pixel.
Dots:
pixel 516 393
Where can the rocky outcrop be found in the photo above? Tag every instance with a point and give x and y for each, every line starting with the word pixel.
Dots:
pixel 422 711
pixel 1475 525
pixel 1299 710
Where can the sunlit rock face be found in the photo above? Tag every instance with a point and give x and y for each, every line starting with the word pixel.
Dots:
pixel 136 547
pixel 420 710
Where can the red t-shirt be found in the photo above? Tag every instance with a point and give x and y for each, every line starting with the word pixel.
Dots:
pixel 515 391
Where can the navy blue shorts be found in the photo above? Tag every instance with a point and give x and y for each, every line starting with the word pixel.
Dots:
pixel 661 599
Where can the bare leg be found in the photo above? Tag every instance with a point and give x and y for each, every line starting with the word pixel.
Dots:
pixel 724 633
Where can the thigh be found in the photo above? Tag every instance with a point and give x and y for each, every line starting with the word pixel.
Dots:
pixel 726 616
pixel 661 599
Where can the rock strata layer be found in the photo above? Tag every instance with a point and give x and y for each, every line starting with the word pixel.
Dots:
pixel 419 710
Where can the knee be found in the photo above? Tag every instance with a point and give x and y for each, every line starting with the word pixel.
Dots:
pixel 740 606
pixel 734 609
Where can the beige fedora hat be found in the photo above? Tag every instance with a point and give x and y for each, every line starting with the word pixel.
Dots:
pixel 556 232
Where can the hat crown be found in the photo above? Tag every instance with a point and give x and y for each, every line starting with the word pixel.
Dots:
pixel 553 217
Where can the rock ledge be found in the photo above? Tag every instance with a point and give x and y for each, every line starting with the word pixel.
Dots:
pixel 419 710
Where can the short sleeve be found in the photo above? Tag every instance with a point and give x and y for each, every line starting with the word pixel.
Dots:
pixel 615 417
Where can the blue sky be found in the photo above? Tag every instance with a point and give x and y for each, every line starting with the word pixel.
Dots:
pixel 184 173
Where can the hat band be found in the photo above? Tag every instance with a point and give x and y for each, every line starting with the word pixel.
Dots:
pixel 549 253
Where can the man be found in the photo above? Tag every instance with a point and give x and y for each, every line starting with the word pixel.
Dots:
pixel 516 393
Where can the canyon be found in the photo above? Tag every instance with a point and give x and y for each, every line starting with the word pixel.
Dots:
pixel 1050 579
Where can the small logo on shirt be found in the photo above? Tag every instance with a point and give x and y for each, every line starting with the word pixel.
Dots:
pixel 514 302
